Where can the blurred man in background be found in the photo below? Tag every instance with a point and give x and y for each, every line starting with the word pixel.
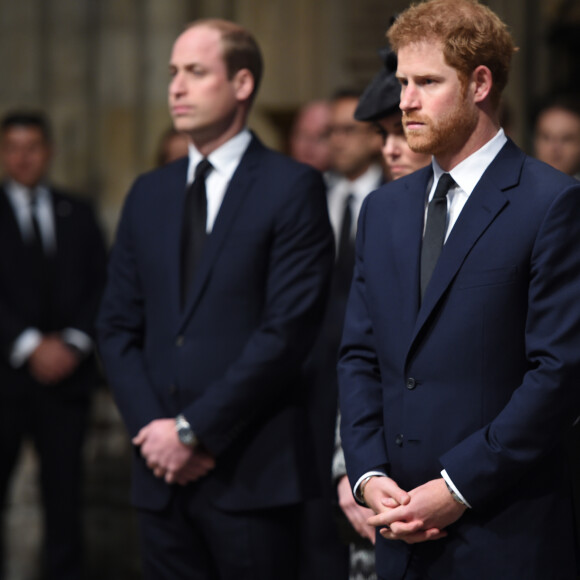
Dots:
pixel 52 271
pixel 379 104
pixel 557 134
pixel 309 135
pixel 217 287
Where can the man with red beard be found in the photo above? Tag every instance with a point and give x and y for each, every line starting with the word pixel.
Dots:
pixel 459 365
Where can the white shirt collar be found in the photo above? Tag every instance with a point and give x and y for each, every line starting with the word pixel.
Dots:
pixel 224 159
pixel 468 173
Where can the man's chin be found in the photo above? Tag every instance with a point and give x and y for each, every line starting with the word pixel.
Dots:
pixel 419 145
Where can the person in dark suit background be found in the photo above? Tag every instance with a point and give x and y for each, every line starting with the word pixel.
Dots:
pixel 379 105
pixel 52 271
pixel 216 291
pixel 459 366
pixel 355 171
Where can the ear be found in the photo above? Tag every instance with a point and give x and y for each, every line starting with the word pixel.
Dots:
pixel 482 81
pixel 243 84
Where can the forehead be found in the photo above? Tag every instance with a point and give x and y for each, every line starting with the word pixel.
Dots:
pixel 343 108
pixel 561 117
pixel 24 134
pixel 200 43
pixel 422 58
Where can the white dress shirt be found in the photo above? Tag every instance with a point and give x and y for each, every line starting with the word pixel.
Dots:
pixel 224 161
pixel 341 188
pixel 466 176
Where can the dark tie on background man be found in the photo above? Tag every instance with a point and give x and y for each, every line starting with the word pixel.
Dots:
pixel 345 255
pixel 36 241
pixel 193 231
pixel 434 230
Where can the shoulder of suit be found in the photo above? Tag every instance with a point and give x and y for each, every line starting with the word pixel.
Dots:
pixel 272 164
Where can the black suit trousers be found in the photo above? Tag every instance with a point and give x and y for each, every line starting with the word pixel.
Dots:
pixel 57 429
pixel 192 539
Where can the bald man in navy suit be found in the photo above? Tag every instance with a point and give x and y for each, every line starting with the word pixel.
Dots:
pixel 216 292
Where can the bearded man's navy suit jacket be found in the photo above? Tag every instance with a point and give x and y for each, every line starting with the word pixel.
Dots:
pixel 482 378
pixel 231 360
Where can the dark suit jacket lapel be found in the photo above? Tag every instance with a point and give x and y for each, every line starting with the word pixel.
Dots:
pixel 8 218
pixel 236 192
pixel 407 233
pixel 175 187
pixel 485 202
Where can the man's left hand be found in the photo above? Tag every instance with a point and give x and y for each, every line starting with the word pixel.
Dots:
pixel 425 517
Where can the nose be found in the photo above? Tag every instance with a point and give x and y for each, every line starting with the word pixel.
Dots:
pixel 390 148
pixel 176 85
pixel 409 98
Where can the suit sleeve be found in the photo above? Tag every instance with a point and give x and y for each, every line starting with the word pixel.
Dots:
pixel 546 403
pixel 94 275
pixel 121 328
pixel 359 377
pixel 300 260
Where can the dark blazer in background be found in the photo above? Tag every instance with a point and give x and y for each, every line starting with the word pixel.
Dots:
pixel 64 295
pixel 68 297
pixel 482 378
pixel 231 360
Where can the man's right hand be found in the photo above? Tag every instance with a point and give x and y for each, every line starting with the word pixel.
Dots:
pixel 199 465
pixel 357 515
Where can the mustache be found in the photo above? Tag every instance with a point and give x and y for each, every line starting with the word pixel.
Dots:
pixel 414 118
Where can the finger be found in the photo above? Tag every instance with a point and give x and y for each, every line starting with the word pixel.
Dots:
pixel 139 438
pixel 382 519
pixel 414 538
pixel 389 502
pixel 398 494
pixel 406 528
pixel 159 472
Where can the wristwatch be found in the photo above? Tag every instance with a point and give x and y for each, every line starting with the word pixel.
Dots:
pixel 185 432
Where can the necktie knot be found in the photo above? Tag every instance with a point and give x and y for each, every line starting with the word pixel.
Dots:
pixel 435 229
pixel 444 184
pixel 203 168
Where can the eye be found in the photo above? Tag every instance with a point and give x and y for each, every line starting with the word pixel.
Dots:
pixel 381 132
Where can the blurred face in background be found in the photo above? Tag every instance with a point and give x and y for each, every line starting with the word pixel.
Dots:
pixel 25 155
pixel 354 145
pixel 309 136
pixel 557 140
pixel 399 158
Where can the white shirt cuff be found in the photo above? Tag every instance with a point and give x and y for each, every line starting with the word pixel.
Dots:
pixel 452 486
pixel 24 346
pixel 356 488
pixel 78 339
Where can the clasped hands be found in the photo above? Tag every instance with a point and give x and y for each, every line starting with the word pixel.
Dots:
pixel 419 515
pixel 52 360
pixel 167 457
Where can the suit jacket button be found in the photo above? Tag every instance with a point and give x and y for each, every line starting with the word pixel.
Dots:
pixel 180 340
pixel 411 383
pixel 399 440
pixel 172 389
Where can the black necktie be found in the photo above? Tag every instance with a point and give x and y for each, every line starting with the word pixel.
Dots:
pixel 193 232
pixel 434 230
pixel 345 255
pixel 36 241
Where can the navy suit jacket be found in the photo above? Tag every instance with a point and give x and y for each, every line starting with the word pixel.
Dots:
pixel 68 297
pixel 231 360
pixel 481 379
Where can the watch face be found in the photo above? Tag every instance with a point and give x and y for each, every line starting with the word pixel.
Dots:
pixel 186 435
